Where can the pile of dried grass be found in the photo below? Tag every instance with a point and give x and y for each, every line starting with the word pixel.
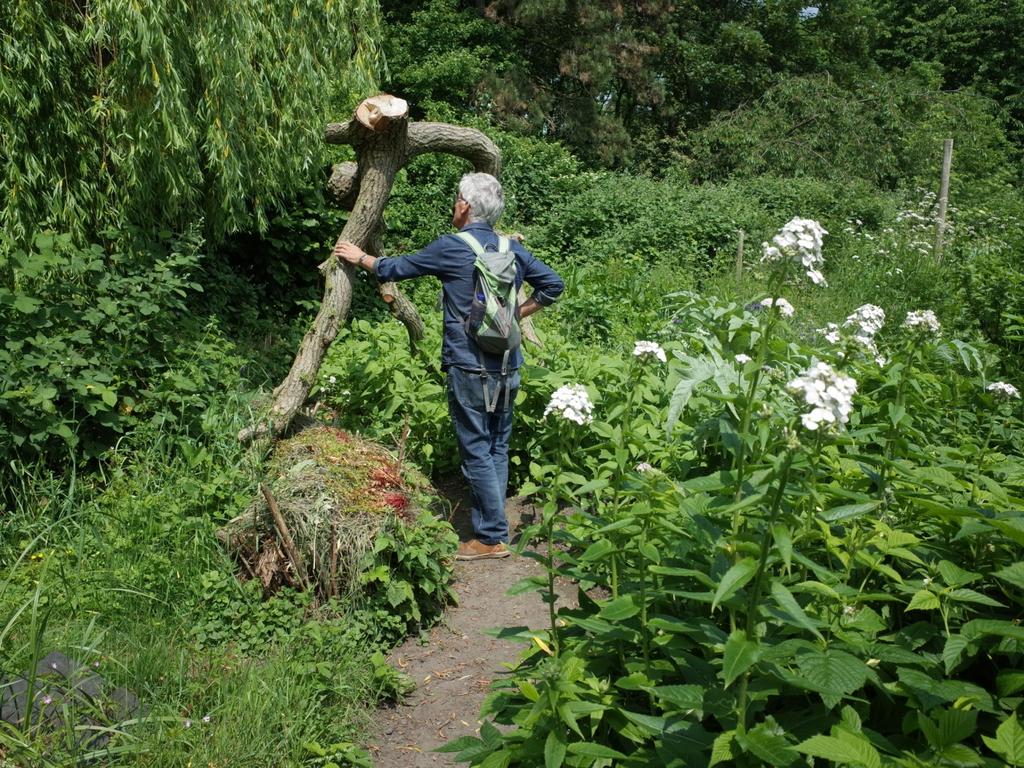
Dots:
pixel 331 493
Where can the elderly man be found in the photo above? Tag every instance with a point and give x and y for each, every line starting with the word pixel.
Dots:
pixel 483 422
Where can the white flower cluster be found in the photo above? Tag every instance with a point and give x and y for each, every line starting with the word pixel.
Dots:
pixel 645 349
pixel 785 308
pixel 572 403
pixel 868 318
pixel 830 395
pixel 743 359
pixel 799 240
pixel 925 319
pixel 1003 390
pixel 644 466
pixel 865 322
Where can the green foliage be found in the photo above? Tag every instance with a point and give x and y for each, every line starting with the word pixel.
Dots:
pixel 125 572
pixel 119 113
pixel 97 341
pixel 751 591
pixel 887 131
pixel 692 230
pixel 408 574
pixel 975 43
pixel 438 53
pixel 374 383
pixel 617 83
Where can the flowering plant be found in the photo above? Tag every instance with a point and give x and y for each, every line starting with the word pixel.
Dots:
pixel 785 308
pixel 572 403
pixel 649 349
pixel 799 241
pixel 924 320
pixel 1003 390
pixel 858 331
pixel 829 394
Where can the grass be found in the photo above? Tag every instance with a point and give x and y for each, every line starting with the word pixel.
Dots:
pixel 119 568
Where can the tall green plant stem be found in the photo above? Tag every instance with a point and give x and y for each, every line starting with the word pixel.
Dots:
pixel 755 593
pixel 740 463
pixel 981 460
pixel 549 565
pixel 892 432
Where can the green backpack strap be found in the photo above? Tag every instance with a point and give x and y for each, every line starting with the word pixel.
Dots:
pixel 471 241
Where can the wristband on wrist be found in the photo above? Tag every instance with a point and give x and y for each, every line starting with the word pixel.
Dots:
pixel 362 260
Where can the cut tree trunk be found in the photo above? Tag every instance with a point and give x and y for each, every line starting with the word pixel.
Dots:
pixel 384 140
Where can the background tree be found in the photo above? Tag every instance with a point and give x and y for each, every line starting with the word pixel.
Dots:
pixel 977 43
pixel 157 114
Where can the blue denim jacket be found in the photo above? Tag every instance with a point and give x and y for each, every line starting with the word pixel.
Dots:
pixel 450 260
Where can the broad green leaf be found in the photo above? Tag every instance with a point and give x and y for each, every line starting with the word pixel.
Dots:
pixel 1013 529
pixel 619 609
pixel 529 690
pixel 1008 742
pixel 832 671
pixel 768 745
pixel 951 726
pixel 740 654
pixel 953 651
pixel 554 749
pixel 698 370
pixel 596 551
pixel 819 589
pixel 653 725
pixel 528 584
pixel 26 304
pixel 966 595
pixel 594 485
pixel 1009 682
pixel 500 759
pixel 597 751
pixel 1014 574
pixel 460 744
pixel 788 603
pixel 722 750
pixel 955 576
pixel 923 600
pixel 978 628
pixel 687 698
pixel 568 717
pixel 734 579
pixel 708 483
pixel 649 551
pixel 490 735
pixel 783 542
pixel 849 511
pixel 569 711
pixel 842 748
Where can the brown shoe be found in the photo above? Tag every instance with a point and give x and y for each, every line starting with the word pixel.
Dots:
pixel 477 550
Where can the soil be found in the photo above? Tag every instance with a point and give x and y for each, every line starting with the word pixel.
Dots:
pixel 454 666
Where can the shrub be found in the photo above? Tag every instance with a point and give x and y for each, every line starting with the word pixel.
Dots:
pixel 781 592
pixel 98 340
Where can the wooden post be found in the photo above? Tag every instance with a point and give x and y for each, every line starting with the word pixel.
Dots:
pixel 940 224
pixel 739 257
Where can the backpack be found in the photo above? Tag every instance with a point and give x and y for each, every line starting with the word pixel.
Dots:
pixel 493 320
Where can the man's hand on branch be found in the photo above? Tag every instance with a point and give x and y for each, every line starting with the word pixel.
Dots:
pixel 353 254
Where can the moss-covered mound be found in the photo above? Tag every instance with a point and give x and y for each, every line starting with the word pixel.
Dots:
pixel 361 524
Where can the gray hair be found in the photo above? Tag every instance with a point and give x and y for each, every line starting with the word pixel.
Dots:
pixel 485 197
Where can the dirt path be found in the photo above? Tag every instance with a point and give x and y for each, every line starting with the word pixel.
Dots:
pixel 454 669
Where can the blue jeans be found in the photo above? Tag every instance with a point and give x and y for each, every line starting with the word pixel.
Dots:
pixel 483 446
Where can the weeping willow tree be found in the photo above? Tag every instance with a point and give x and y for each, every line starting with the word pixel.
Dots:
pixel 162 113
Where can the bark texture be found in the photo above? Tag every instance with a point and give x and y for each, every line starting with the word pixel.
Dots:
pixel 381 150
